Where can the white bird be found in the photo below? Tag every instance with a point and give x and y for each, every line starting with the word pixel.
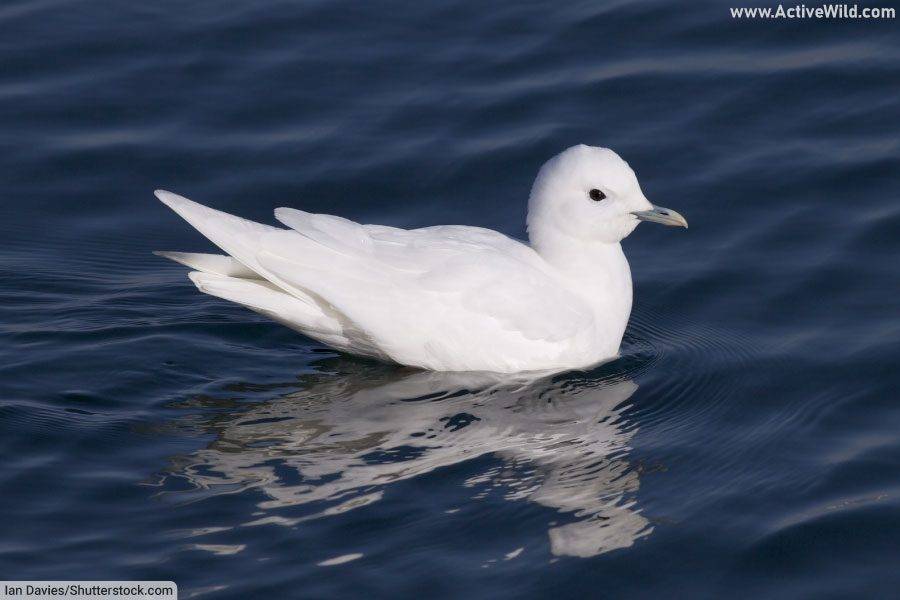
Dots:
pixel 452 297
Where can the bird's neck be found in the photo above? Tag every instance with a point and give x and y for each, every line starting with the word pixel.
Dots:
pixel 596 264
pixel 598 271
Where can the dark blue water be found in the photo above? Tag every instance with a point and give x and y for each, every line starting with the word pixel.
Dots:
pixel 745 445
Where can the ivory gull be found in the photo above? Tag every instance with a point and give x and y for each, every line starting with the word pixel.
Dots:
pixel 451 297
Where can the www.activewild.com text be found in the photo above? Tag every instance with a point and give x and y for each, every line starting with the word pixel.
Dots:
pixel 826 11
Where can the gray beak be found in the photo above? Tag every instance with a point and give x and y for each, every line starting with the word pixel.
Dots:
pixel 658 214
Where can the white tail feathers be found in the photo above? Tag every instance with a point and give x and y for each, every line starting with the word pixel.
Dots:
pixel 236 236
pixel 217 264
pixel 239 278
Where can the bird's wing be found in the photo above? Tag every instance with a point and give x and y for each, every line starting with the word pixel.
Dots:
pixel 433 290
pixel 405 250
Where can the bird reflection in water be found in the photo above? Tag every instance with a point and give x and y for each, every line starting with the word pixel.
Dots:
pixel 340 436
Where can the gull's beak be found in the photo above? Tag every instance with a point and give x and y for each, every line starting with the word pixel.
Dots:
pixel 658 214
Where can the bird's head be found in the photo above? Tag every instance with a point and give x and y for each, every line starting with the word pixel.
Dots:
pixel 592 195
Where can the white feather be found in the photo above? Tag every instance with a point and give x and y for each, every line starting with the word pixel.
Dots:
pixel 217 264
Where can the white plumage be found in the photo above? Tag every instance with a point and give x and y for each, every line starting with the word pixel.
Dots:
pixel 448 298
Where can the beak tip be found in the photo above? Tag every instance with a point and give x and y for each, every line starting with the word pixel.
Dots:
pixel 662 215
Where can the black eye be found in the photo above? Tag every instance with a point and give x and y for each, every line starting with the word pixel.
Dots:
pixel 596 195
